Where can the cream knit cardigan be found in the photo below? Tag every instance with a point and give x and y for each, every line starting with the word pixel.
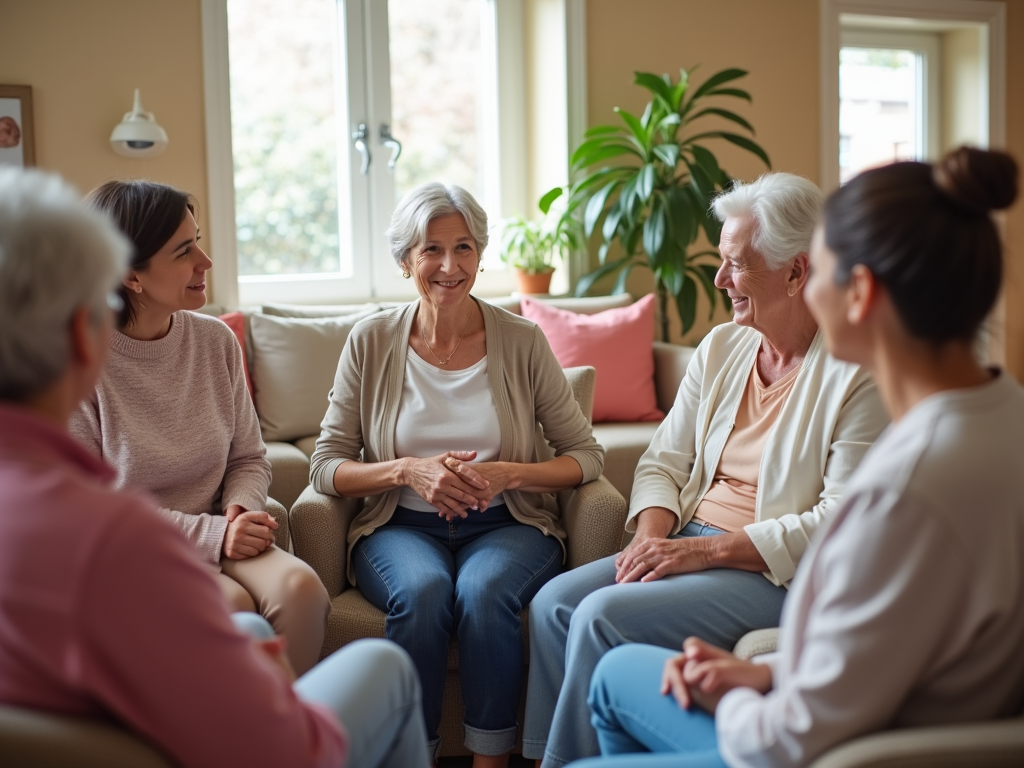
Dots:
pixel 528 387
pixel 831 418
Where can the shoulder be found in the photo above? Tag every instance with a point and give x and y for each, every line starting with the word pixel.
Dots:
pixel 372 330
pixel 206 327
pixel 516 331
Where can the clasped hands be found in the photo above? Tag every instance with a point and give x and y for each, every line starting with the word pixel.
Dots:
pixel 703 674
pixel 249 532
pixel 454 486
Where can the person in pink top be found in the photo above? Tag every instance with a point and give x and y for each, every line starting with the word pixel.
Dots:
pixel 105 611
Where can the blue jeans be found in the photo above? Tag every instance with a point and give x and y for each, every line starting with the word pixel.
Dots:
pixel 583 614
pixel 469 577
pixel 371 687
pixel 631 716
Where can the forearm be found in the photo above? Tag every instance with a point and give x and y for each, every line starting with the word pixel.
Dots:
pixel 546 476
pixel 357 479
pixel 205 531
pixel 733 550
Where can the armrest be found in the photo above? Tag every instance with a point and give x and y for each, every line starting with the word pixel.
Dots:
pixel 670 361
pixel 757 642
pixel 997 744
pixel 593 516
pixel 280 514
pixel 319 528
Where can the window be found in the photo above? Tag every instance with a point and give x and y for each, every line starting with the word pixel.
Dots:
pixel 337 109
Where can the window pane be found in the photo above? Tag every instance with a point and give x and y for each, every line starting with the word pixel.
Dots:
pixel 880 110
pixel 284 135
pixel 437 80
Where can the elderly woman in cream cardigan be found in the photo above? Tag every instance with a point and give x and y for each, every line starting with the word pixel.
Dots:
pixel 752 458
pixel 432 420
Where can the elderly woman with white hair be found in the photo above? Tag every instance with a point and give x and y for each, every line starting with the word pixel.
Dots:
pixel 432 420
pixel 752 458
pixel 106 613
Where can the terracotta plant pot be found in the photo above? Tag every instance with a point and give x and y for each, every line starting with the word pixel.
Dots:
pixel 534 283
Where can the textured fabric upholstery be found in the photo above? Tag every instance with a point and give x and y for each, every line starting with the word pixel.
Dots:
pixel 280 514
pixel 593 516
pixel 32 739
pixel 290 472
pixel 998 744
pixel 624 443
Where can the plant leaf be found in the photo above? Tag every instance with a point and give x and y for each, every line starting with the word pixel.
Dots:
pixel 707 161
pixel 725 114
pixel 681 221
pixel 645 118
pixel 645 182
pixel 634 125
pixel 686 303
pixel 737 92
pixel 716 80
pixel 708 284
pixel 549 197
pixel 587 281
pixel 740 141
pixel 620 281
pixel 656 85
pixel 601 130
pixel 680 89
pixel 611 221
pixel 654 228
pixel 595 207
pixel 594 151
pixel 668 154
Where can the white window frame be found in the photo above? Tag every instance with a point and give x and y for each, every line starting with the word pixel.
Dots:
pixel 990 16
pixel 376 277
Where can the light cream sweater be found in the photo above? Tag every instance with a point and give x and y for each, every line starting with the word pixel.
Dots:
pixel 174 417
pixel 528 387
pixel 831 418
pixel 907 608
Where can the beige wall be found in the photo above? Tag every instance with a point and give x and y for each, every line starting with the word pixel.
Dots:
pixel 84 58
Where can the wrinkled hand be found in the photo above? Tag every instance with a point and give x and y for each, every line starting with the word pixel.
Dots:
pixel 652 557
pixel 451 492
pixel 496 474
pixel 248 534
pixel 275 650
pixel 703 674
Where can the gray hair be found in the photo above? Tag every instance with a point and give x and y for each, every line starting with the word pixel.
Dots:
pixel 785 209
pixel 426 202
pixel 55 258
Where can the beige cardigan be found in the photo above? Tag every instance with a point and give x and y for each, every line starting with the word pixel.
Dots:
pixel 528 387
pixel 830 419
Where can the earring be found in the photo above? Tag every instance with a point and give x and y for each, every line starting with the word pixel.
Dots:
pixel 481 267
pixel 406 275
pixel 138 289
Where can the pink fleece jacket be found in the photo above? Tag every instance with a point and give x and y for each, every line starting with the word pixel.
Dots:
pixel 105 612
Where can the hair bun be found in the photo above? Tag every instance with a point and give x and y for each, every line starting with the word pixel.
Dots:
pixel 977 180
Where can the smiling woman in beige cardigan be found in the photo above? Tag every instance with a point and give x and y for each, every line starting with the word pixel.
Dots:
pixel 432 418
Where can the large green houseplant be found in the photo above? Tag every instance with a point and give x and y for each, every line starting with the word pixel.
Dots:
pixel 647 185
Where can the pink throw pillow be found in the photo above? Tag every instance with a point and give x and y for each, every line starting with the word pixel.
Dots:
pixel 236 322
pixel 618 343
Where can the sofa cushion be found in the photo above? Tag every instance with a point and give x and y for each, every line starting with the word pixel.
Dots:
pixel 236 322
pixel 294 361
pixel 319 310
pixel 618 343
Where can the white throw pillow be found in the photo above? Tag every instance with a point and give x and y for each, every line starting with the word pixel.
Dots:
pixel 293 365
pixel 318 310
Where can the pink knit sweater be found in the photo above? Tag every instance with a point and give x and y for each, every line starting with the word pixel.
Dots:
pixel 105 614
pixel 174 417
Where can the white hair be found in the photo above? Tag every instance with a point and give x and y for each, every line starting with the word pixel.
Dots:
pixel 785 209
pixel 426 202
pixel 55 257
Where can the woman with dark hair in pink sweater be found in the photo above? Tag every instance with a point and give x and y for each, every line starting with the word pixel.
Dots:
pixel 173 415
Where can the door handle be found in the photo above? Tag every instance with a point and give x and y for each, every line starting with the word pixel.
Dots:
pixel 359 140
pixel 387 140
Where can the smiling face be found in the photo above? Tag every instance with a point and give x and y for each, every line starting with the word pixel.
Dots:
pixel 759 294
pixel 175 277
pixel 444 265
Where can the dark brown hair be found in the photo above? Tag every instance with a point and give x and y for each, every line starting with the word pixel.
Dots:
pixel 148 214
pixel 926 233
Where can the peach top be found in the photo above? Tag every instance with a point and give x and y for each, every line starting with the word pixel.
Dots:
pixel 730 502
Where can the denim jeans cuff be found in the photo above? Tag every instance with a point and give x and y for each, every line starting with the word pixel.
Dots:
pixel 533 749
pixel 490 742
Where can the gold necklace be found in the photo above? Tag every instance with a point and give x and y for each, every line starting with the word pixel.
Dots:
pixel 452 353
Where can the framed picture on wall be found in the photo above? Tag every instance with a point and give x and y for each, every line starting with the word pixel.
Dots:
pixel 17 144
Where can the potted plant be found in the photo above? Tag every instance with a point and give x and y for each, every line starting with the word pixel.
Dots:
pixel 654 198
pixel 532 247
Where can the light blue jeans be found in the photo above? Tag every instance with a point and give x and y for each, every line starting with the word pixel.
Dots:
pixel 470 577
pixel 581 615
pixel 372 688
pixel 631 716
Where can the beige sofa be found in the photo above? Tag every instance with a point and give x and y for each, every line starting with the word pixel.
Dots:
pixel 285 342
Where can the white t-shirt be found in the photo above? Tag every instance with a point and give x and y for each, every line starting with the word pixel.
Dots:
pixel 445 411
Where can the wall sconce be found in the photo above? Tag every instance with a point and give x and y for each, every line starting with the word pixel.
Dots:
pixel 138 134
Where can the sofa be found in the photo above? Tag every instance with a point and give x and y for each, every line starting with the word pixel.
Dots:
pixel 283 343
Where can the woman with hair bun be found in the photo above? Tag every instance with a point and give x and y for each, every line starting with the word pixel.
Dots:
pixel 905 611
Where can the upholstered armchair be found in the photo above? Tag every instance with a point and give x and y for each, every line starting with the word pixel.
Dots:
pixel 593 516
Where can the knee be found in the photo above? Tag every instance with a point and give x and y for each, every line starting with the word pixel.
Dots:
pixel 423 595
pixel 595 610
pixel 391 665
pixel 301 586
